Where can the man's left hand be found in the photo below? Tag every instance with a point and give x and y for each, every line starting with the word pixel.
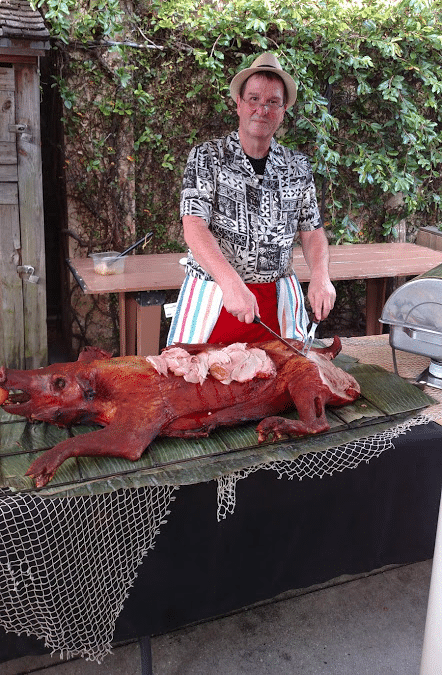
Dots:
pixel 321 292
pixel 321 295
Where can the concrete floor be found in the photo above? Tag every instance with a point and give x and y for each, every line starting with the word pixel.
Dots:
pixel 367 626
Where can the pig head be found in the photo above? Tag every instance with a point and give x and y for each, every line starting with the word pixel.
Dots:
pixel 62 394
pixel 96 389
pixel 136 398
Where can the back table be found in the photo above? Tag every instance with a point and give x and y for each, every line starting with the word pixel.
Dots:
pixel 146 276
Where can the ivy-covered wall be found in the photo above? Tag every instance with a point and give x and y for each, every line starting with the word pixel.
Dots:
pixel 143 81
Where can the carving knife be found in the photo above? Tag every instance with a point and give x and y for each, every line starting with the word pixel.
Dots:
pixel 278 337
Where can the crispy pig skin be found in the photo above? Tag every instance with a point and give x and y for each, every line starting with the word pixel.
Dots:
pixel 134 403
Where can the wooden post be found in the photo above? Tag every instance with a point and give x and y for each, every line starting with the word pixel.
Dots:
pixel 23 40
pixel 375 301
pixel 31 212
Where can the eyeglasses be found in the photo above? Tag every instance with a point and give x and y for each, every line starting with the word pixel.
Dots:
pixel 253 104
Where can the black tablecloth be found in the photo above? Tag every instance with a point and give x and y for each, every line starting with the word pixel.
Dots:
pixel 283 535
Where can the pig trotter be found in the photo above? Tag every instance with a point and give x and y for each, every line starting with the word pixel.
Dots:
pixel 277 428
pixel 42 470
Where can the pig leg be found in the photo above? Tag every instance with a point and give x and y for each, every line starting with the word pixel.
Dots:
pixel 128 441
pixel 312 420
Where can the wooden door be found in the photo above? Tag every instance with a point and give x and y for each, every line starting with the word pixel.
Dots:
pixel 23 332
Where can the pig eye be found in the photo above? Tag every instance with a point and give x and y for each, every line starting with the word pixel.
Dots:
pixel 59 383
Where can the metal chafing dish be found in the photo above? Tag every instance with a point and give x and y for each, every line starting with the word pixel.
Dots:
pixel 414 313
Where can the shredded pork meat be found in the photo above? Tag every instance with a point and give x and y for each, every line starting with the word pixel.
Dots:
pixel 234 363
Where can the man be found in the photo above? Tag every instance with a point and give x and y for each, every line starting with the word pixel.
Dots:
pixel 244 197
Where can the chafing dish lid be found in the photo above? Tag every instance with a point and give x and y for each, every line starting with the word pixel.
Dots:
pixel 418 303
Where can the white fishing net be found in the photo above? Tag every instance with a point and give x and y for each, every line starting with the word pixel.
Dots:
pixel 67 564
pixel 320 464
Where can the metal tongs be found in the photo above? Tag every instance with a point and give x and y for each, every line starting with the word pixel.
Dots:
pixel 310 337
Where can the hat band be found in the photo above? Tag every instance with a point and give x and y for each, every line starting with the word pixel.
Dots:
pixel 266 66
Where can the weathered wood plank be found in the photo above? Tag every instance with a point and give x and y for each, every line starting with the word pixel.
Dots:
pixel 7 78
pixel 8 195
pixel 8 152
pixel 27 101
pixel 8 174
pixel 7 115
pixel 11 297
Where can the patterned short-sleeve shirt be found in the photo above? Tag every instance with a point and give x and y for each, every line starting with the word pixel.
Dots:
pixel 253 220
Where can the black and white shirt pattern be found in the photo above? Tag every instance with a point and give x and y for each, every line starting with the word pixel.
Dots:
pixel 253 220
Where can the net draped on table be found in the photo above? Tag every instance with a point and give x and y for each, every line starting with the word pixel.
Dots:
pixel 67 564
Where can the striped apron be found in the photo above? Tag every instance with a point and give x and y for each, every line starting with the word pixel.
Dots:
pixel 199 305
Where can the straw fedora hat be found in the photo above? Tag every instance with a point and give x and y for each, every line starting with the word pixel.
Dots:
pixel 270 63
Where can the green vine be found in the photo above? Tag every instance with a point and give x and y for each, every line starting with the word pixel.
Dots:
pixel 142 82
pixel 368 111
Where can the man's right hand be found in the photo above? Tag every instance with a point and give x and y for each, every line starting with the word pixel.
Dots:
pixel 239 301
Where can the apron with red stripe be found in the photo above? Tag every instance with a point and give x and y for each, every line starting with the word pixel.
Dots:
pixel 201 317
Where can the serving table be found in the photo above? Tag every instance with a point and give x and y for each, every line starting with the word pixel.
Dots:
pixel 71 565
pixel 146 277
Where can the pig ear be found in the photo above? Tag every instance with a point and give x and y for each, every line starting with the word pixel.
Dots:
pixel 92 353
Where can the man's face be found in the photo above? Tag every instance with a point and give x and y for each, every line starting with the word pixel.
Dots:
pixel 256 121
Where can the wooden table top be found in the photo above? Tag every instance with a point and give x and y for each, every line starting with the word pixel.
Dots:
pixel 163 271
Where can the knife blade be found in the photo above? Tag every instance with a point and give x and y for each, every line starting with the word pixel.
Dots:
pixel 278 337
